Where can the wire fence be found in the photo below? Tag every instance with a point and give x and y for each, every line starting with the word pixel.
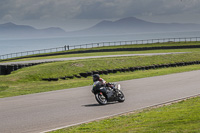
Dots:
pixel 100 44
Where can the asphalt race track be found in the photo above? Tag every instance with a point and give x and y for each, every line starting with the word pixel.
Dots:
pixel 50 110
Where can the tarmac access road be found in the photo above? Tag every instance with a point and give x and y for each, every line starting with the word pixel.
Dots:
pixel 87 57
pixel 57 109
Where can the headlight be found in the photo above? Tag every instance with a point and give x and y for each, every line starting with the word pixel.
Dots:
pixel 119 86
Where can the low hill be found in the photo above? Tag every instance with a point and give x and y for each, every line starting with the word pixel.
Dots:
pixel 11 30
pixel 135 25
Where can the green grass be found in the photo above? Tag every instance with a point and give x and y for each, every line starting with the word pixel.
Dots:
pixel 69 68
pixel 181 117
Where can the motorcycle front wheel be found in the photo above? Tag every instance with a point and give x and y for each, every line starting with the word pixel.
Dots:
pixel 121 96
pixel 101 99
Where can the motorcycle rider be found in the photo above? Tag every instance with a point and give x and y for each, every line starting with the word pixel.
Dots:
pixel 96 77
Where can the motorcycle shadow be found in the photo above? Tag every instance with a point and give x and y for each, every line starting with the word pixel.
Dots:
pixel 96 104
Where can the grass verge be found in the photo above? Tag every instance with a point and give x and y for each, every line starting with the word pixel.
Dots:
pixel 179 117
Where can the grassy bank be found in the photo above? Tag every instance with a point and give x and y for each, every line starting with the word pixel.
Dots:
pixel 180 117
pixel 10 87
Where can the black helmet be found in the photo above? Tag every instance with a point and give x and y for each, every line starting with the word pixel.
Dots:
pixel 96 77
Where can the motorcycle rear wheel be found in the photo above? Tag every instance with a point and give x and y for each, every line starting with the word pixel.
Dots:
pixel 101 99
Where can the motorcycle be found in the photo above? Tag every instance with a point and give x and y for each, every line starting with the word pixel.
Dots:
pixel 104 94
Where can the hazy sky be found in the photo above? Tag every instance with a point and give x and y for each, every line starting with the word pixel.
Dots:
pixel 80 14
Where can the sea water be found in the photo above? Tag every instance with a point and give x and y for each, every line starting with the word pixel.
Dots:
pixel 8 46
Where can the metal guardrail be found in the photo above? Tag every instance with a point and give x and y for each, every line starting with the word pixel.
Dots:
pixel 100 44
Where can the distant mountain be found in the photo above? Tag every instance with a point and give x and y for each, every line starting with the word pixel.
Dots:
pixel 11 30
pixel 121 26
pixel 135 25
